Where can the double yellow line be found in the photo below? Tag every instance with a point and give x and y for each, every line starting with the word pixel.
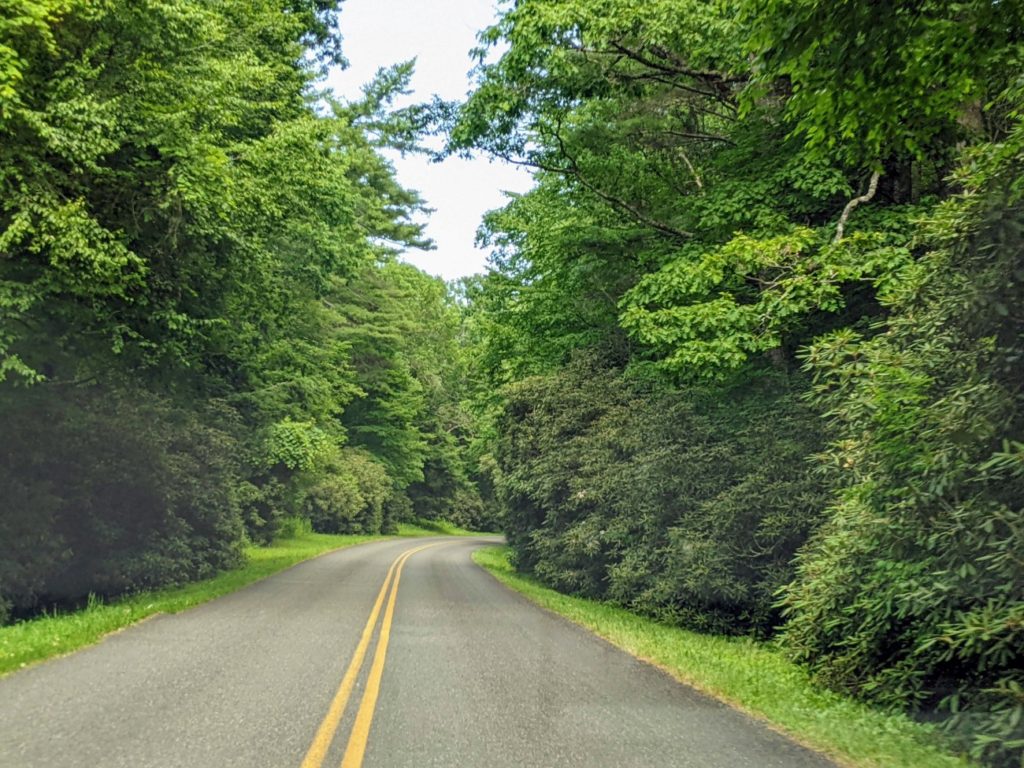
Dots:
pixel 360 734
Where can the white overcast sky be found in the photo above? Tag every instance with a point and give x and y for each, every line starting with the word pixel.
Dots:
pixel 439 35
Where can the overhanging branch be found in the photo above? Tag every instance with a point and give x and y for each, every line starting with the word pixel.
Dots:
pixel 616 202
pixel 872 188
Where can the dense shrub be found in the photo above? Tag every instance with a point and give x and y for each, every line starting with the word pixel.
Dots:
pixel 687 505
pixel 348 495
pixel 397 509
pixel 446 493
pixel 333 503
pixel 110 489
pixel 374 486
pixel 913 593
pixel 468 511
pixel 432 496
pixel 264 503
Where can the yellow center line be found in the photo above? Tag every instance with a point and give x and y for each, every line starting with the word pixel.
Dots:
pixel 360 735
pixel 325 733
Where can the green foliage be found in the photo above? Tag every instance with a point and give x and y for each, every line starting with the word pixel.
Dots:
pixel 296 445
pixel 553 289
pixel 111 489
pixel 403 334
pixel 349 496
pixel 294 527
pixel 560 52
pixel 188 225
pixel 668 221
pixel 722 190
pixel 397 512
pixel 264 507
pixel 912 592
pixel 710 310
pixel 674 504
pixel 868 81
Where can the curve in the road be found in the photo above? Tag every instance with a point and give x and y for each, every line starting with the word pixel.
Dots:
pixel 325 733
pixel 464 673
pixel 356 747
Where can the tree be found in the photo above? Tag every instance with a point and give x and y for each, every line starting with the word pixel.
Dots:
pixel 178 207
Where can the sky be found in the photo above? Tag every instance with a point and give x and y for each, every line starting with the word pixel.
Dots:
pixel 439 35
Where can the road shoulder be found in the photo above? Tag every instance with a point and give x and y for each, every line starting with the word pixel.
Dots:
pixel 749 676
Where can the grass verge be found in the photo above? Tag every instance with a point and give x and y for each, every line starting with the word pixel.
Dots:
pixel 41 638
pixel 753 677
pixel 435 528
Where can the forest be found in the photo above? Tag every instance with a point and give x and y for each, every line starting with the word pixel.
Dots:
pixel 205 328
pixel 748 359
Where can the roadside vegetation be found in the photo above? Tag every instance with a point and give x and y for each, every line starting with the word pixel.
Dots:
pixel 750 355
pixel 204 327
pixel 753 676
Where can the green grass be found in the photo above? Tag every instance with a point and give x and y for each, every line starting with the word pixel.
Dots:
pixel 41 638
pixel 751 676
pixel 434 528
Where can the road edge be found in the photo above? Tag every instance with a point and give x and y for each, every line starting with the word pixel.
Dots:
pixel 525 588
pixel 109 618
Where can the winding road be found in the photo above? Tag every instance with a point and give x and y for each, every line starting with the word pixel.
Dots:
pixel 391 654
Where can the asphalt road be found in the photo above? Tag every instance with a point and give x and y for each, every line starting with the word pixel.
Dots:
pixel 455 671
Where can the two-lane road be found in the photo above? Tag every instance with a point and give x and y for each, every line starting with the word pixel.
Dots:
pixel 397 653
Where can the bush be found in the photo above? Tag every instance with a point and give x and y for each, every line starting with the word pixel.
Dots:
pixel 264 504
pixel 467 511
pixel 446 492
pixel 333 503
pixel 349 494
pixel 293 527
pixel 397 509
pixel 111 489
pixel 685 505
pixel 913 593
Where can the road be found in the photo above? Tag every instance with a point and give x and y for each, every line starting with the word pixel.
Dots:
pixel 370 656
